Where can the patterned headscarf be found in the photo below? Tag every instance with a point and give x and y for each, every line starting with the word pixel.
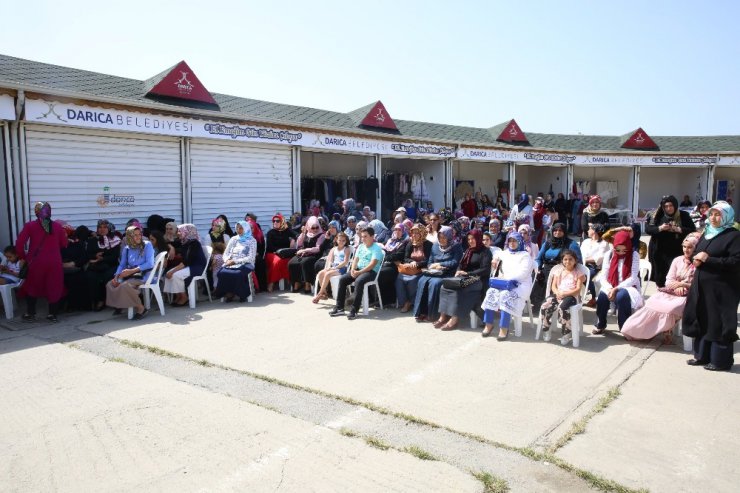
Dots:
pixel 218 226
pixel 448 233
pixel 170 232
pixel 247 231
pixel 519 242
pixel 187 233
pixel 728 219
pixel 396 240
pixel 335 225
pixel 130 238
pixel 109 241
pixel 69 230
pixel 524 228
pixel 692 239
pixel 282 225
pixel 378 226
pixel 422 234
pixel 133 222
pixel 43 213
pixel 408 224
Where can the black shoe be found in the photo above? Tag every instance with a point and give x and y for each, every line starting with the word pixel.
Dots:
pixel 52 318
pixel 336 312
pixel 141 315
pixel 117 311
pixel 352 315
pixel 503 337
pixel 696 362
pixel 28 317
pixel 713 367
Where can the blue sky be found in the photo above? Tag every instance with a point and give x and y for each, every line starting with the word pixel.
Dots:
pixel 594 67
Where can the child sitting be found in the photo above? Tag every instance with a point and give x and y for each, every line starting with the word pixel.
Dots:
pixel 565 291
pixel 336 265
pixel 11 267
pixel 217 260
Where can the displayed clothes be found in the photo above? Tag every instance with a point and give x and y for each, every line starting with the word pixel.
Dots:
pixel 327 189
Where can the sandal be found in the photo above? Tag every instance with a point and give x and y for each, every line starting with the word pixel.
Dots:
pixel 597 331
pixel 316 299
pixel 449 326
pixel 439 324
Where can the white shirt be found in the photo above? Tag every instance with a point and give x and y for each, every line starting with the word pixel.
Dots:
pixel 596 251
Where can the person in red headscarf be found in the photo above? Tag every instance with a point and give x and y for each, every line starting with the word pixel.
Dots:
pixel 593 214
pixel 620 282
pixel 281 236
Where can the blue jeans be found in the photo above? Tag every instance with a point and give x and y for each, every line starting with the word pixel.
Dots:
pixel 624 308
pixel 406 288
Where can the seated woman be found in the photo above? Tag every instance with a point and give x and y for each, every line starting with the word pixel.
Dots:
pixel 178 278
pixel 309 244
pixel 516 265
pixel 475 266
pixel 444 259
pixel 336 265
pixel 394 250
pixel 382 233
pixel 137 259
pixel 416 253
pixel 74 258
pixel 217 234
pixel 620 283
pixel 548 258
pixel 332 231
pixel 170 234
pixel 279 237
pixel 565 292
pixel 233 277
pixel 530 246
pixel 105 254
pixel 664 309
pixel 488 242
pixel 594 249
pixel 159 243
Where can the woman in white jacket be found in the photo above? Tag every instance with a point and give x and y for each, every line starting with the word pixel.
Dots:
pixel 593 250
pixel 516 267
pixel 620 282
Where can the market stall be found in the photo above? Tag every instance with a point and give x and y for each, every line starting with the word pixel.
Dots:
pixel 326 176
pixel 421 180
pixel 488 178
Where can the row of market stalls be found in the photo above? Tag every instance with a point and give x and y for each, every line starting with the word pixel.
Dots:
pixel 170 147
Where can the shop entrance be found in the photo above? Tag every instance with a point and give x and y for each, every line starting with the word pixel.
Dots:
pixel 326 176
pixel 420 180
pixel 491 179
pixel 655 182
pixel 727 185
pixel 538 180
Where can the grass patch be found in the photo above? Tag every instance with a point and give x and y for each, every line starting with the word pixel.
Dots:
pixel 580 426
pixel 205 362
pixel 491 483
pixel 117 360
pixel 419 453
pixel 349 433
pixel 377 443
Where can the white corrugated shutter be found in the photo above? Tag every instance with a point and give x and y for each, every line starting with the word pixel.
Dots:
pixel 234 179
pixel 87 175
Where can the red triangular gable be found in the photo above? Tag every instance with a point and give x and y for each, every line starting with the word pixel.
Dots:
pixel 639 140
pixel 378 117
pixel 512 133
pixel 182 83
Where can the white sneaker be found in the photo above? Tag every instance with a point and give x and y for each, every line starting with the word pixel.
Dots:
pixel 546 336
pixel 566 339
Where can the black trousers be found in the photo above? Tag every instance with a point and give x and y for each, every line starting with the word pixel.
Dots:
pixel 360 282
pixel 717 353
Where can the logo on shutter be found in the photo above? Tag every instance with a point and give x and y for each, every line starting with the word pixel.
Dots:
pixel 108 199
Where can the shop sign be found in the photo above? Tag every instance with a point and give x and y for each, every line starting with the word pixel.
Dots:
pixel 378 117
pixel 512 133
pixel 639 140
pixel 729 160
pixel 7 108
pixel 182 83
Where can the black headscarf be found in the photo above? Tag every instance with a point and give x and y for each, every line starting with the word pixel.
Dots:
pixel 558 242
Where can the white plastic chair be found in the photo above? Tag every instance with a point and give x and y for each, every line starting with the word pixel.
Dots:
pixel 193 288
pixel 576 311
pixel 516 319
pixel 349 263
pixel 688 342
pixel 365 298
pixel 152 286
pixel 646 271
pixel 6 290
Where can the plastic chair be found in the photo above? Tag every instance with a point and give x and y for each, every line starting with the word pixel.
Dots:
pixel 333 288
pixel 152 286
pixel 646 271
pixel 516 319
pixel 576 311
pixel 193 288
pixel 688 342
pixel 365 298
pixel 6 290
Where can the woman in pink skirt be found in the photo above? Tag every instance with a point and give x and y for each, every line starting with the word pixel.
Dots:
pixel 664 309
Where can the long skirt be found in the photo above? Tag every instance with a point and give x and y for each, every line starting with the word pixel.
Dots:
pixel 387 283
pixel 97 278
pixel 301 268
pixel 78 296
pixel 460 302
pixel 126 295
pixel 660 314
pixel 277 268
pixel 234 281
pixel 177 283
pixel 427 297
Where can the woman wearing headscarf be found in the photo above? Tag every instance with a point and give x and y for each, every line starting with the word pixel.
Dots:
pixel 394 250
pixel 665 308
pixel 548 258
pixel 475 266
pixel 516 267
pixel 593 214
pixel 301 266
pixel 468 206
pixel 710 315
pixel 620 282
pixel 521 213
pixel 74 258
pixel 105 254
pixel 443 261
pixel 217 234
pixel 155 222
pixel 382 233
pixel 45 276
pixel 667 227
pixel 279 237
pixel 233 277
pixel 538 223
pixel 332 230
pixel 498 237
pixel 350 229
pixel 193 264
pixel 530 246
pixel 594 249
pixel 137 259
pixel 260 268
pixel 416 254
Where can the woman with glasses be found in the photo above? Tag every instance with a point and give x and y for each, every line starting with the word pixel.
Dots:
pixel 301 267
pixel 548 258
pixel 620 283
pixel 279 237
pixel 667 227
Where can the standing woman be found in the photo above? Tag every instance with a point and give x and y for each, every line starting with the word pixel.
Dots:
pixel 137 259
pixel 593 215
pixel 233 277
pixel 309 249
pixel 279 237
pixel 45 277
pixel 193 264
pixel 667 227
pixel 710 315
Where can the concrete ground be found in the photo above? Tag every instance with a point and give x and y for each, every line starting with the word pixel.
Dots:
pixel 99 402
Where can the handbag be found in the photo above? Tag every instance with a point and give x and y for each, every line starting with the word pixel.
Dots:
pixel 24 268
pixel 502 284
pixel 459 282
pixel 408 269
pixel 286 252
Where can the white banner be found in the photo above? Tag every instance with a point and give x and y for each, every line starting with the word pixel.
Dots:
pixel 729 160
pixel 7 107
pixel 536 157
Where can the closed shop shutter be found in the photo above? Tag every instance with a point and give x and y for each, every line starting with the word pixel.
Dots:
pixel 87 175
pixel 234 179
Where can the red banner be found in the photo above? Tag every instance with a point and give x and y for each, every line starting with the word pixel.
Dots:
pixel 512 133
pixel 378 117
pixel 640 140
pixel 181 83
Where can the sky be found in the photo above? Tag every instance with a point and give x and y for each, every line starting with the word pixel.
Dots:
pixel 590 67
